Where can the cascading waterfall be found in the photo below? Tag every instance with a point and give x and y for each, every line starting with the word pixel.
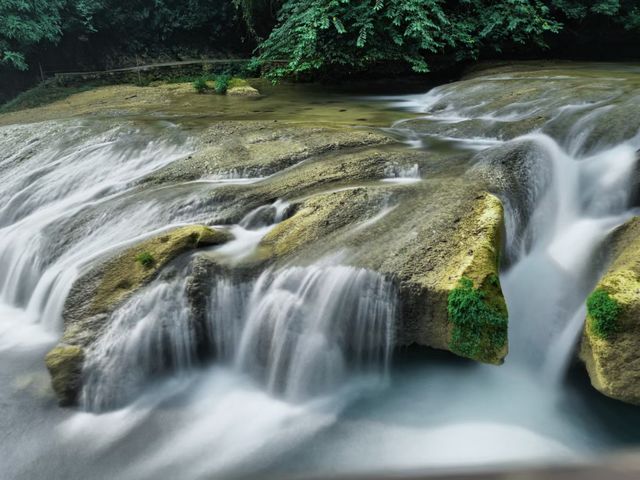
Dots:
pixel 579 188
pixel 66 204
pixel 587 198
pixel 302 332
pixel 279 373
pixel 149 334
pixel 307 327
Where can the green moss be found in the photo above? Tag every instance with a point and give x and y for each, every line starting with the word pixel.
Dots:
pixel 603 311
pixel 146 259
pixel 479 326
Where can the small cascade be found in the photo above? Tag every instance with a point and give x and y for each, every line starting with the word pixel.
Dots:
pixel 65 201
pixel 402 173
pixel 252 228
pixel 567 182
pixel 308 328
pixel 587 197
pixel 150 334
pixel 300 331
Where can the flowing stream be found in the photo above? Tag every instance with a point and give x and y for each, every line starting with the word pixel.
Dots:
pixel 304 381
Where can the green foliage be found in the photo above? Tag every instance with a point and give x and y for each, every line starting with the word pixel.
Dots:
pixel 603 311
pixel 24 24
pixel 135 26
pixel 258 15
pixel 319 35
pixel 310 37
pixel 146 259
pixel 221 84
pixel 479 326
pixel 200 85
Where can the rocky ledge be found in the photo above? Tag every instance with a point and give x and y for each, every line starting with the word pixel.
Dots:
pixel 417 218
pixel 96 294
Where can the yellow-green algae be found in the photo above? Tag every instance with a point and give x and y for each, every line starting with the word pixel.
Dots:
pixel 316 218
pixel 124 274
pixel 480 335
pixel 613 359
pixel 117 279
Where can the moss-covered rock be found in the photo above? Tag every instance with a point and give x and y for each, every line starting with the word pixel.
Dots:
pixel 427 268
pixel 125 273
pixel 96 294
pixel 477 311
pixel 478 322
pixel 611 337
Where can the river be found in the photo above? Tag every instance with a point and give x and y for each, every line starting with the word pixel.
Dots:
pixel 331 396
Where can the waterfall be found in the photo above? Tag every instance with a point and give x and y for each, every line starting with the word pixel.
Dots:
pixel 308 328
pixel 572 187
pixel 149 334
pixel 230 365
pixel 546 287
pixel 301 332
pixel 65 201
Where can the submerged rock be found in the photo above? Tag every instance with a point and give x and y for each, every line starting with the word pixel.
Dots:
pixel 97 293
pixel 611 337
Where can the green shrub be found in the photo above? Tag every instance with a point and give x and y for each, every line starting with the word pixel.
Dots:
pixel 221 84
pixel 146 259
pixel 200 85
pixel 603 310
pixel 479 326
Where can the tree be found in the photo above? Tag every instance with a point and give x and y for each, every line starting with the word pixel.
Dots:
pixel 323 35
pixel 24 24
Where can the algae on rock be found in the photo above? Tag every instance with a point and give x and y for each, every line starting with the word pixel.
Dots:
pixel 64 363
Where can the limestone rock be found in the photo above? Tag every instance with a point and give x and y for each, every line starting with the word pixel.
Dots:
pixel 64 363
pixel 426 276
pixel 612 354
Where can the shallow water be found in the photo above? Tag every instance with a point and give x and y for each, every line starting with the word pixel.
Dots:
pixel 307 385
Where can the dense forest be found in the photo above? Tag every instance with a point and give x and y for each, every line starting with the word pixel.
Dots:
pixel 309 38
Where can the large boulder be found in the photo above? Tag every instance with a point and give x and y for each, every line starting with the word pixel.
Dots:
pixel 610 345
pixel 447 278
pixel 100 291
